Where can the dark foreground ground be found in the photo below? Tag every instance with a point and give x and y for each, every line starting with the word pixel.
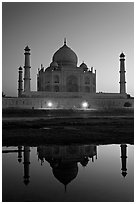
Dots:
pixel 31 127
pixel 58 113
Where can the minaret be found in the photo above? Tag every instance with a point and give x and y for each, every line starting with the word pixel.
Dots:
pixel 26 164
pixel 27 70
pixel 20 82
pixel 122 74
pixel 38 80
pixel 124 159
pixel 95 79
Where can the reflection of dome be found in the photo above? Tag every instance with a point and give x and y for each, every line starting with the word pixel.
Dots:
pixel 84 161
pixel 65 56
pixel 65 173
pixel 124 173
pixel 26 181
pixel 19 160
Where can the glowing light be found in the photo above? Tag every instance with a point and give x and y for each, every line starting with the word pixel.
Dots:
pixel 85 104
pixel 49 104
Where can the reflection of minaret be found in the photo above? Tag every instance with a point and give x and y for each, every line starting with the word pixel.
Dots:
pixel 19 154
pixel 96 154
pixel 26 164
pixel 124 159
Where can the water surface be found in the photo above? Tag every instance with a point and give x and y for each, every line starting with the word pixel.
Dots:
pixel 68 173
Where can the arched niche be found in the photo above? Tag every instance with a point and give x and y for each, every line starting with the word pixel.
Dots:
pixel 87 89
pixel 56 79
pixel 47 88
pixel 56 88
pixel 87 80
pixel 72 84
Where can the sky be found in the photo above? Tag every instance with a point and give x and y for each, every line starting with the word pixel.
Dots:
pixel 96 31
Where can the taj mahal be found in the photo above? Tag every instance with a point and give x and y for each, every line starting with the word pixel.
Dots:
pixel 64 85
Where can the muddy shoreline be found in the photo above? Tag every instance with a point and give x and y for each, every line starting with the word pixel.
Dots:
pixel 93 130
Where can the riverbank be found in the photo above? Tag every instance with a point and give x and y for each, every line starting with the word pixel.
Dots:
pixel 13 113
pixel 66 130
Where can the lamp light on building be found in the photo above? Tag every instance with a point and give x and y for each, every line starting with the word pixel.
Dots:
pixel 49 104
pixel 84 104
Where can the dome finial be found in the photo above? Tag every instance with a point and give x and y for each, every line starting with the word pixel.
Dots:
pixel 64 41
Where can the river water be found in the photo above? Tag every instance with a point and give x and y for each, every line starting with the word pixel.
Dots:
pixel 68 173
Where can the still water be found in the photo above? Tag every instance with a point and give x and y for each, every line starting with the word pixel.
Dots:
pixel 68 173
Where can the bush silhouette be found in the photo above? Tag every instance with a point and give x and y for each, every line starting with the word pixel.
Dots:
pixel 127 104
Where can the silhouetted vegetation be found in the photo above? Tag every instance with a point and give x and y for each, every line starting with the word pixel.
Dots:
pixel 127 104
pixel 3 95
pixel 58 113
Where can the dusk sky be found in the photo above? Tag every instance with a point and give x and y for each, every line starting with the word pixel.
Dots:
pixel 96 32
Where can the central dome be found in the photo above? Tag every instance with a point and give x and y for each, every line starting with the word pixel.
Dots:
pixel 65 55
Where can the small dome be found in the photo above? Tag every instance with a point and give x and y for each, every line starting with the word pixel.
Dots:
pixel 65 55
pixel 122 55
pixel 83 65
pixel 20 68
pixel 54 64
pixel 27 48
pixel 48 69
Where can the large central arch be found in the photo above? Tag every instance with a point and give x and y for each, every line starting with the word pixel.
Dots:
pixel 72 84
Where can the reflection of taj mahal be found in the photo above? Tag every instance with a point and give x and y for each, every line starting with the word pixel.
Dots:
pixel 65 85
pixel 64 160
